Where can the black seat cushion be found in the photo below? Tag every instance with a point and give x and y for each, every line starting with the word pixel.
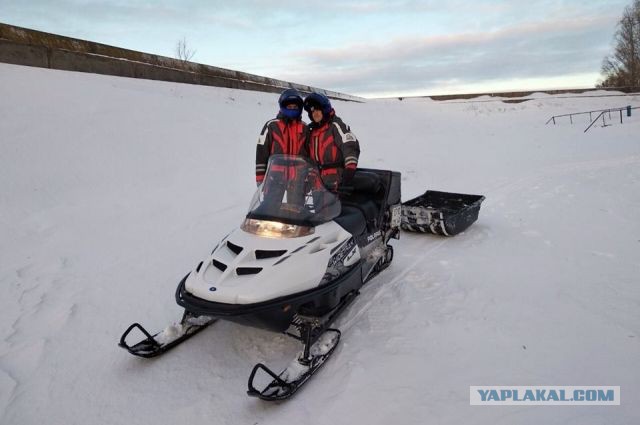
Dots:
pixel 352 220
pixel 368 208
pixel 366 182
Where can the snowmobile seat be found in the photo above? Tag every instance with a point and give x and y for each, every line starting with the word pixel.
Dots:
pixel 366 196
pixel 352 220
pixel 367 182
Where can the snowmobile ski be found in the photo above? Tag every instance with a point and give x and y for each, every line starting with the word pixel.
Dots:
pixel 172 335
pixel 298 372
pixel 318 340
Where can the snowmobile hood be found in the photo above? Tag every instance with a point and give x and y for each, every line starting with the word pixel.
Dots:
pixel 246 268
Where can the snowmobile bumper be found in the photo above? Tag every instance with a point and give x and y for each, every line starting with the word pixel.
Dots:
pixel 276 314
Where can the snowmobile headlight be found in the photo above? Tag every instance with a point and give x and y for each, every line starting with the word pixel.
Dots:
pixel 275 229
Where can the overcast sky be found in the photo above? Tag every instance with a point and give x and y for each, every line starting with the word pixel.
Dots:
pixel 368 48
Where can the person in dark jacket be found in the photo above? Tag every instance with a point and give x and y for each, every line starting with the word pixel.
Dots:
pixel 331 143
pixel 286 134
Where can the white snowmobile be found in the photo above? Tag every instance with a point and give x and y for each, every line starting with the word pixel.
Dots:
pixel 299 258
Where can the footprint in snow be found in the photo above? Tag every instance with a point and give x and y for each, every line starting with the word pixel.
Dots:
pixel 603 254
pixel 531 233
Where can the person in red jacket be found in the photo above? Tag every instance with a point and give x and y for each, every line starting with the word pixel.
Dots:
pixel 286 134
pixel 331 143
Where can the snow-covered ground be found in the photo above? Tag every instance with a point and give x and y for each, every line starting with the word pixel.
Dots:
pixel 111 189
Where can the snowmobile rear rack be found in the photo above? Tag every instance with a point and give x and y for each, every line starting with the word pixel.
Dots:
pixel 440 213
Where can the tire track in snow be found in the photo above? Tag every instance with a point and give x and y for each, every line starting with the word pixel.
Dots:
pixel 503 191
pixel 38 290
pixel 9 384
pixel 386 286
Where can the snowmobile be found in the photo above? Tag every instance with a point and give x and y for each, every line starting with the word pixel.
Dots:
pixel 299 258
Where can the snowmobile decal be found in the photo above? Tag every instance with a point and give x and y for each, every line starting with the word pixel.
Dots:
pixel 351 257
pixel 372 237
pixel 340 256
pixel 341 261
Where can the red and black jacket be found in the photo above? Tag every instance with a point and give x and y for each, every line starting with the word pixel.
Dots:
pixel 334 148
pixel 280 136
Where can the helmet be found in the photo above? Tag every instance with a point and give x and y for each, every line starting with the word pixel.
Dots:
pixel 317 100
pixel 290 97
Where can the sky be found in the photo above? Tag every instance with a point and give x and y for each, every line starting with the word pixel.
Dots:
pixel 366 48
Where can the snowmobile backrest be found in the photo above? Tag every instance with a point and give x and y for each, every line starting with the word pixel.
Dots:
pixel 366 182
pixel 374 191
pixel 367 196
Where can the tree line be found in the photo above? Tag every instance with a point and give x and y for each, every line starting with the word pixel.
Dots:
pixel 622 67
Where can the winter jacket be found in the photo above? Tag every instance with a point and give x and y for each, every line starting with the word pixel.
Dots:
pixel 334 148
pixel 279 136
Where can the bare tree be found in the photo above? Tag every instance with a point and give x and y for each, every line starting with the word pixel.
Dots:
pixel 183 52
pixel 622 67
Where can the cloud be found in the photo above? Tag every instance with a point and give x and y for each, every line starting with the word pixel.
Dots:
pixel 530 50
pixel 411 48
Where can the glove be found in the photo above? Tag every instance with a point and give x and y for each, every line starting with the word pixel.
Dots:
pixel 347 176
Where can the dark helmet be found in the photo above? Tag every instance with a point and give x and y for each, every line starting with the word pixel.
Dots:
pixel 291 97
pixel 317 100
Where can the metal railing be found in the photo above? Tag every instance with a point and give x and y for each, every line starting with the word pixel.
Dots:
pixel 601 113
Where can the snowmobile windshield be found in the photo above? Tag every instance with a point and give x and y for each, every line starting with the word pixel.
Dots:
pixel 291 200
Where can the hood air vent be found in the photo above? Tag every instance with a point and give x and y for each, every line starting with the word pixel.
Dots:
pixel 220 266
pixel 262 254
pixel 234 248
pixel 241 271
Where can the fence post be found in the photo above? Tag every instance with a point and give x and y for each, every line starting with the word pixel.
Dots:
pixel 629 110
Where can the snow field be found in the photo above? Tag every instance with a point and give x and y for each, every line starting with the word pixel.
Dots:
pixel 112 189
